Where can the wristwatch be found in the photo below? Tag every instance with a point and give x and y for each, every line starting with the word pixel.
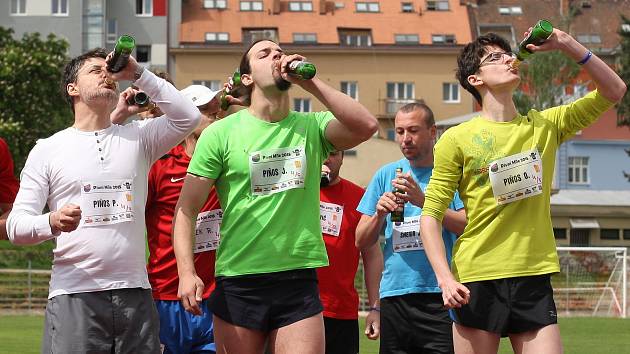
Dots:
pixel 138 72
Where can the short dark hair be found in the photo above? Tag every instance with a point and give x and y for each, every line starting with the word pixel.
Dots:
pixel 469 59
pixel 245 68
pixel 429 119
pixel 71 70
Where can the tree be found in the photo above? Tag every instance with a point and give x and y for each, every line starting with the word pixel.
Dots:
pixel 545 75
pixel 31 105
pixel 543 80
pixel 623 65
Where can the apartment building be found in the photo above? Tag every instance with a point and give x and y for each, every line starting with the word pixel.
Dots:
pixel 88 24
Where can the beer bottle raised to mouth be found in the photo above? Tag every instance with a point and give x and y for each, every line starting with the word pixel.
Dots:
pixel 236 90
pixel 539 34
pixel 122 51
pixel 301 69
pixel 398 215
pixel 140 99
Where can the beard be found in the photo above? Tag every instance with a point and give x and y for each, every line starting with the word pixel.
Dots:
pixel 99 94
pixel 282 84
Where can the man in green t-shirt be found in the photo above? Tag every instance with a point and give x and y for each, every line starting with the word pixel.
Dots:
pixel 265 164
pixel 502 164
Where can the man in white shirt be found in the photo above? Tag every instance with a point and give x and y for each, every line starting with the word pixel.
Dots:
pixel 93 178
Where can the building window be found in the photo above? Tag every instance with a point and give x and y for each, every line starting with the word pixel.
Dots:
pixel 406 38
pixel 560 234
pixel 407 7
pixel 350 88
pixel 437 5
pixel 214 85
pixel 505 31
pixel 60 7
pixel 367 7
pixel 510 10
pixel 578 170
pixel 443 38
pixel 589 38
pixel 305 6
pixel 609 234
pixel 143 53
pixel 112 31
pixel 626 234
pixel 217 37
pixel 450 92
pixel 304 37
pixel 144 7
pixel 215 4
pixel 400 90
pixel 302 104
pixel 355 38
pixel 251 6
pixel 18 7
pixel 253 35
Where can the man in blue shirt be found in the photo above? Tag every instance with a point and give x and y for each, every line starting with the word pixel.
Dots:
pixel 412 316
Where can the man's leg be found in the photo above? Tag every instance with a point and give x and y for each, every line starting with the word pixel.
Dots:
pixel 305 337
pixel 230 338
pixel 182 332
pixel 342 336
pixel 79 323
pixel 545 340
pixel 136 321
pixel 468 340
pixel 395 327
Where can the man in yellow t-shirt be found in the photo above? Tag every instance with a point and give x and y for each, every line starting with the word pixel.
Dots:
pixel 502 164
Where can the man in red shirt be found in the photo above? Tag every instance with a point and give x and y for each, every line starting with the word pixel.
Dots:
pixel 180 331
pixel 8 187
pixel 339 217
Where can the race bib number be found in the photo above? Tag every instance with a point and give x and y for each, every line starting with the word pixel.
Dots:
pixel 106 202
pixel 277 170
pixel 330 216
pixel 207 235
pixel 516 177
pixel 406 235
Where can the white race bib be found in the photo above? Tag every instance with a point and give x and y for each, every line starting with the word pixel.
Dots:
pixel 277 170
pixel 516 177
pixel 106 202
pixel 330 216
pixel 207 235
pixel 406 235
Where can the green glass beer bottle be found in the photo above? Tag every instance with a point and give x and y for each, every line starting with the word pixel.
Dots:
pixel 140 99
pixel 301 69
pixel 539 34
pixel 235 81
pixel 398 215
pixel 122 51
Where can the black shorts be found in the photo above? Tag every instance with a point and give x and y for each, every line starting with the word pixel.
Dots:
pixel 415 323
pixel 510 305
pixel 268 301
pixel 342 336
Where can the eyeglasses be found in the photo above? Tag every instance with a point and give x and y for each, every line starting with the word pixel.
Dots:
pixel 496 58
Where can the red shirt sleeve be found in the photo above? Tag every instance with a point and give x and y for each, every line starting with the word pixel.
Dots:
pixel 9 185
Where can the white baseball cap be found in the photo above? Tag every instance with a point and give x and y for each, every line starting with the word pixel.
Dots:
pixel 199 94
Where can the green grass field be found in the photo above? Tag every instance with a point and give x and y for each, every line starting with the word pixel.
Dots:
pixel 22 335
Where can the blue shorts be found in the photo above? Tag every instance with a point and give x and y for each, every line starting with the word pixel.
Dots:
pixel 182 332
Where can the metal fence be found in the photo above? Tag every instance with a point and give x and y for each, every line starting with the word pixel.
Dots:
pixel 23 290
